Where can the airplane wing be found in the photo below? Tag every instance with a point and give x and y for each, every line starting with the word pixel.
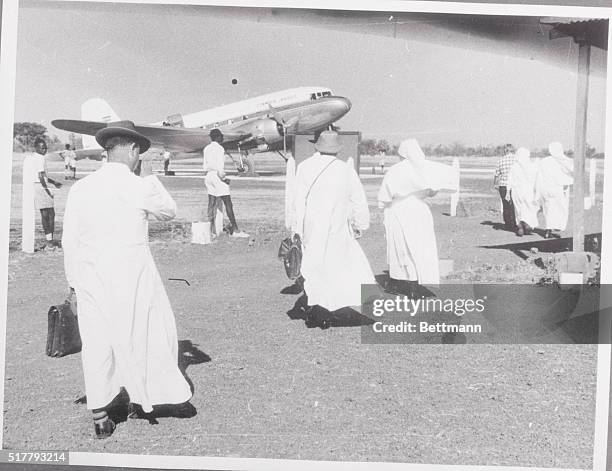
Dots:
pixel 174 139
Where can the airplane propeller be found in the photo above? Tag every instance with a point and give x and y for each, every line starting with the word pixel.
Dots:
pixel 283 123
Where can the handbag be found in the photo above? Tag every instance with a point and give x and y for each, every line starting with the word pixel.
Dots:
pixel 63 337
pixel 290 253
pixel 290 250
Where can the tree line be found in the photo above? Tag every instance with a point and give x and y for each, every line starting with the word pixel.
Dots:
pixel 456 149
pixel 25 133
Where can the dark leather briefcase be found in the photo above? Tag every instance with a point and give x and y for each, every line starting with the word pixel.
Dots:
pixel 63 336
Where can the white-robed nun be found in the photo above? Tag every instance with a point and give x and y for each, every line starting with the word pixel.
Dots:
pixel 521 186
pixel 412 252
pixel 329 205
pixel 553 179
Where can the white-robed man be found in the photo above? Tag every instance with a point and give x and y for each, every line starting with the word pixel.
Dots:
pixel 330 211
pixel 521 188
pixel 412 251
pixel 126 322
pixel 553 180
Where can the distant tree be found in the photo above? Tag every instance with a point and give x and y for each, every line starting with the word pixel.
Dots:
pixel 25 133
pixel 54 143
pixel 75 140
pixel 383 146
pixel 18 146
pixel 368 147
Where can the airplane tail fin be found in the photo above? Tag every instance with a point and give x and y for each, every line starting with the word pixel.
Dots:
pixel 96 109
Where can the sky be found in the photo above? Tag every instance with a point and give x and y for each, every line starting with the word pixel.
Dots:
pixel 152 61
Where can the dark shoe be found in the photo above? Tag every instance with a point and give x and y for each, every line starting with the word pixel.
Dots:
pixel 186 410
pixel 316 316
pixel 136 412
pixel 310 320
pixel 392 286
pixel 104 428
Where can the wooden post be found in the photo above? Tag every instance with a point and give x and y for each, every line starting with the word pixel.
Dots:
pixel 454 201
pixel 289 192
pixel 27 208
pixel 582 98
pixel 592 178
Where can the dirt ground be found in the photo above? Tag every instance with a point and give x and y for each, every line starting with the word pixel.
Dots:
pixel 266 386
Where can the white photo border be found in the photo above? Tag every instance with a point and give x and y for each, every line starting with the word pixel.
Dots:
pixel 8 56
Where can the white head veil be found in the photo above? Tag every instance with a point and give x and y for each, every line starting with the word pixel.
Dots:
pixel 556 149
pixel 410 150
pixel 523 157
pixel 413 174
pixel 523 172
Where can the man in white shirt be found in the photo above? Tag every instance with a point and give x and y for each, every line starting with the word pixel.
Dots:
pixel 66 155
pixel 34 165
pixel 167 163
pixel 217 185
pixel 126 322
pixel 72 163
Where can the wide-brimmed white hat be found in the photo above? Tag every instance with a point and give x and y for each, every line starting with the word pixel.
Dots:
pixel 328 143
pixel 556 149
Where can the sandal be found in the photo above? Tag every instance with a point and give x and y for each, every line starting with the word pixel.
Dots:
pixel 104 426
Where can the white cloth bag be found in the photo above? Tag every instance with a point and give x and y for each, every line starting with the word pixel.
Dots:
pixel 200 232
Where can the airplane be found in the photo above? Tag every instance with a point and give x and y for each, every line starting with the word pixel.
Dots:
pixel 260 124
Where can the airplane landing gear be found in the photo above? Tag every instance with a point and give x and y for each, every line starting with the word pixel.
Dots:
pixel 249 166
pixel 245 165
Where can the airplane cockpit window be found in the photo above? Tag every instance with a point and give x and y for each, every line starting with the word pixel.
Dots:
pixel 318 94
pixel 326 93
pixel 313 96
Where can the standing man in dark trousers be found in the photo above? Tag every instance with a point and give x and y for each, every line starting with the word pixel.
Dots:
pixel 500 181
pixel 217 184
pixel 43 198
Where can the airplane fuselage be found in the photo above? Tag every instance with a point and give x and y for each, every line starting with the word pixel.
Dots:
pixel 264 119
pixel 262 123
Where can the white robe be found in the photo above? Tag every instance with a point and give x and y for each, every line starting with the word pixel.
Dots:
pixel 333 264
pixel 412 251
pixel 552 183
pixel 521 182
pixel 125 318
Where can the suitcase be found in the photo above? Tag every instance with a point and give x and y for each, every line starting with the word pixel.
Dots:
pixel 63 337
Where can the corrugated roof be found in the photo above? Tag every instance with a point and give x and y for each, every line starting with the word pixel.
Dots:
pixel 593 31
pixel 559 20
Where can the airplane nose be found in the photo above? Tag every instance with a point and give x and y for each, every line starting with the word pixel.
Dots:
pixel 347 104
pixel 342 105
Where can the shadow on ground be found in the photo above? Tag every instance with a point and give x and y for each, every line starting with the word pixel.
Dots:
pixel 119 409
pixel 344 317
pixel 592 243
